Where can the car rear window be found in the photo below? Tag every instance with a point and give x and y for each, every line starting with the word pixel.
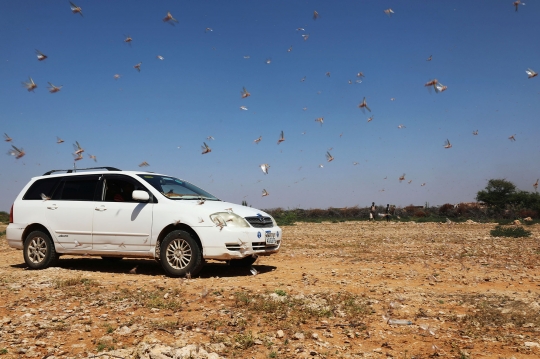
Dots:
pixel 45 186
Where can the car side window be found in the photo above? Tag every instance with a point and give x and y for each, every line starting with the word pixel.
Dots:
pixel 81 188
pixel 44 186
pixel 120 189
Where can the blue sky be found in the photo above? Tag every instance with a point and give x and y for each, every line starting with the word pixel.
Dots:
pixel 165 112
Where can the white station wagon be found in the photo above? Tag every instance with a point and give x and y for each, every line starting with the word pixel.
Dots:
pixel 106 212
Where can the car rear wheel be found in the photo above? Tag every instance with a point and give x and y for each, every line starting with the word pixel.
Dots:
pixel 39 252
pixel 180 255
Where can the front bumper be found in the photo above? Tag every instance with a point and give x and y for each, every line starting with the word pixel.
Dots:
pixel 236 243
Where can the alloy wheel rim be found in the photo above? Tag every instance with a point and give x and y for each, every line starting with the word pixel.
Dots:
pixel 37 250
pixel 179 253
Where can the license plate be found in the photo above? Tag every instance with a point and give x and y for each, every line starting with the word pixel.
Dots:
pixel 270 238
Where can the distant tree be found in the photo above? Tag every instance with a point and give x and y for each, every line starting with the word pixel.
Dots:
pixel 498 194
pixel 528 203
pixel 527 199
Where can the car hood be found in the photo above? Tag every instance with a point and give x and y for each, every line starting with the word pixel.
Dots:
pixel 221 206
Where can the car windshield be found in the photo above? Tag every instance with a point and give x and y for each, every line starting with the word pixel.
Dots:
pixel 174 188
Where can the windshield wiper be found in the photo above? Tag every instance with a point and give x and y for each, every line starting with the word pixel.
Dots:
pixel 201 198
pixel 176 196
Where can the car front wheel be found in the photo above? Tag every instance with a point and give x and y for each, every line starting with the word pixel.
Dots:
pixel 180 255
pixel 39 252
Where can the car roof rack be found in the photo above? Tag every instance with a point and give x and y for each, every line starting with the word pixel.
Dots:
pixel 82 169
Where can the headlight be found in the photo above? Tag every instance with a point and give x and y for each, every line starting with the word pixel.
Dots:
pixel 228 219
pixel 274 223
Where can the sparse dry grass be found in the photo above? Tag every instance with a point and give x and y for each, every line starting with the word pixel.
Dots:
pixel 159 298
pixel 165 325
pixel 467 294
pixel 493 312
pixel 244 340
pixel 74 281
pixel 292 311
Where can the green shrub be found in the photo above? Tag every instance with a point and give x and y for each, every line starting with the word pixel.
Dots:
pixel 245 340
pixel 503 222
pixel 4 217
pixel 515 232
pixel 285 218
pixel 475 212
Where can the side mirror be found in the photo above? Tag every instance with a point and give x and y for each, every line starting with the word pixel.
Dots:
pixel 140 196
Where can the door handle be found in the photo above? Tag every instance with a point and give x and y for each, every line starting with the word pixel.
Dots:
pixel 101 209
pixel 52 207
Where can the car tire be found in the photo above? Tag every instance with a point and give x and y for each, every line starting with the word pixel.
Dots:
pixel 39 251
pixel 111 259
pixel 180 255
pixel 244 262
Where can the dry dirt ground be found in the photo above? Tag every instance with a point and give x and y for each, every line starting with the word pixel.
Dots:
pixel 329 293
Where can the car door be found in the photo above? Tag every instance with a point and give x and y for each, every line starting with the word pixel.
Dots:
pixel 33 206
pixel 70 210
pixel 121 224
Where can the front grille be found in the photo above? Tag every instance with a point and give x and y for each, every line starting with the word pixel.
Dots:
pixel 256 246
pixel 260 222
pixel 259 246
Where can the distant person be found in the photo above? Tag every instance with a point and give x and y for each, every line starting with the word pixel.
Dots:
pixel 387 213
pixel 372 212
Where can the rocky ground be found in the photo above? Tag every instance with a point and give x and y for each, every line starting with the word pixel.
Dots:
pixel 333 291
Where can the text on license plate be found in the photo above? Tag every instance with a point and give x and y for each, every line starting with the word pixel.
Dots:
pixel 270 238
